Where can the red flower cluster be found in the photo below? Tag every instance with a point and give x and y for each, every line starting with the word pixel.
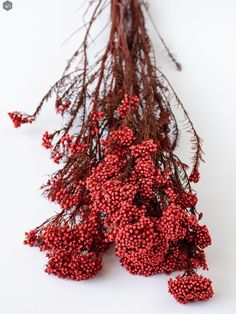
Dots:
pixel 71 146
pixel 198 259
pixel 146 148
pixel 190 288
pixel 67 146
pixel 18 118
pixel 194 176
pixel 117 199
pixel 73 252
pixel 144 167
pixel 67 197
pixel 141 247
pixel 62 107
pixel 72 264
pixel 130 198
pixel 118 141
pixel 56 156
pixel 203 238
pixel 187 199
pixel 47 140
pixel 175 223
pixel 127 104
pixel 96 115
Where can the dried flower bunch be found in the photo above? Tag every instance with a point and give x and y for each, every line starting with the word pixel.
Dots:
pixel 120 180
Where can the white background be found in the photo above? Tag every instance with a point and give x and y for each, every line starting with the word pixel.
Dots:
pixel 202 35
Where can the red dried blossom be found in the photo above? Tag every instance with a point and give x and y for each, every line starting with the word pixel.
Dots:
pixel 136 239
pixel 190 288
pixel 141 247
pixel 72 264
pixel 70 146
pixel 127 104
pixel 198 259
pixel 145 148
pixel 187 199
pixel 137 267
pixel 120 138
pixel 127 214
pixel 18 118
pixel 144 167
pixel 73 253
pixel 31 238
pixel 47 140
pixel 62 107
pixel 96 116
pixel 194 176
pixel 173 260
pixel 174 223
pixel 203 238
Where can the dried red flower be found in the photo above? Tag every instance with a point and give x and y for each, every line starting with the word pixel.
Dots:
pixel 190 288
pixel 18 118
pixel 203 238
pixel 194 176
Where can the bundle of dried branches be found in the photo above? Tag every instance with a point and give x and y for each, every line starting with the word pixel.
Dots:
pixel 121 181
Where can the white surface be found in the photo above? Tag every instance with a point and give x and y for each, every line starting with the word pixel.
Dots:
pixel 202 34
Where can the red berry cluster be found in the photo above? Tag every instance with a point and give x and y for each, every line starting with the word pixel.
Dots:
pixel 141 247
pixel 202 238
pixel 71 146
pixel 67 197
pixel 56 156
pixel 108 167
pixel 109 195
pixel 163 178
pixel 187 199
pixel 118 139
pixel 116 199
pixel 146 148
pixel 144 167
pixel 175 223
pixel 198 259
pixel 194 176
pixel 190 288
pixel 67 146
pixel 127 104
pixel 96 115
pixel 61 107
pixel 72 264
pixel 129 197
pixel 18 118
pixel 31 238
pixel 73 252
pixel 47 140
